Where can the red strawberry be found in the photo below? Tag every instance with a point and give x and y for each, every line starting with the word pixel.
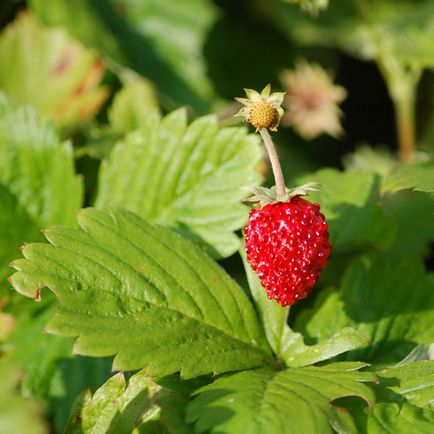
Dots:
pixel 287 245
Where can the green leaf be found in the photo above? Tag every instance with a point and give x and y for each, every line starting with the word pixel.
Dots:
pixel 37 169
pixel 392 303
pixel 159 39
pixel 419 177
pixel 117 407
pixel 289 345
pixel 298 354
pixel 397 418
pixel 144 293
pixel 415 382
pixel 186 178
pixel 404 401
pixel 47 69
pixel 38 185
pixel 140 404
pixel 297 400
pixel 349 202
pixel 132 105
pixel 17 415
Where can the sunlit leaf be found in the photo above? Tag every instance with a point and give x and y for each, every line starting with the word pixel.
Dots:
pixel 184 177
pixel 404 401
pixel 297 400
pixel 140 404
pixel 144 294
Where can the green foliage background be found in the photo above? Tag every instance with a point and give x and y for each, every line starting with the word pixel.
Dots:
pixel 121 215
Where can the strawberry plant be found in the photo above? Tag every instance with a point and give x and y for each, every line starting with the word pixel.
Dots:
pixel 157 275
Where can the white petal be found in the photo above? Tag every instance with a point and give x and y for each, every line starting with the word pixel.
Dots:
pixel 243 112
pixel 243 101
pixel 276 98
pixel 252 95
pixel 266 91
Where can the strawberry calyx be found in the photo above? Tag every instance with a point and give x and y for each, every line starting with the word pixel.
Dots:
pixel 264 195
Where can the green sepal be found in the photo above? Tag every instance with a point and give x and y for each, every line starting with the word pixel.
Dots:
pixel 264 195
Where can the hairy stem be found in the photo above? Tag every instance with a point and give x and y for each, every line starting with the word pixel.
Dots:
pixel 274 160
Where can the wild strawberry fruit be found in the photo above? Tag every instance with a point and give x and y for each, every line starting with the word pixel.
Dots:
pixel 287 244
pixel 287 241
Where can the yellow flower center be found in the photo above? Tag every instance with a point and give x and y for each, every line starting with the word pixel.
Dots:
pixel 263 115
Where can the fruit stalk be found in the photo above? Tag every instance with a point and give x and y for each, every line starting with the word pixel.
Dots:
pixel 274 160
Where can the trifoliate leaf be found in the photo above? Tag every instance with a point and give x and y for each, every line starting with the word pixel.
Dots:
pixel 393 303
pixel 297 400
pixel 140 405
pixel 160 39
pixel 47 69
pixel 289 345
pixel 132 105
pixel 17 415
pixel 144 294
pixel 419 177
pixel 349 202
pixel 186 178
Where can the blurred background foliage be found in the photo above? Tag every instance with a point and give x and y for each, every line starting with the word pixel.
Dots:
pixel 95 70
pixel 201 53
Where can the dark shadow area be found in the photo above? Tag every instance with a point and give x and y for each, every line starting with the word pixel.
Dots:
pixel 241 53
pixel 8 9
pixel 210 414
pixel 383 353
pixel 74 376
pixel 368 110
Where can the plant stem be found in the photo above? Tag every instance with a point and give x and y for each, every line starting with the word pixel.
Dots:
pixel 404 115
pixel 401 83
pixel 274 160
